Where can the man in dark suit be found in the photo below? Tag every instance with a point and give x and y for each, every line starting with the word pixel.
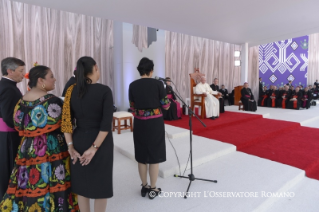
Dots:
pixel 224 92
pixel 13 70
pixel 260 86
pixel 289 83
pixel 316 83
pixel 231 97
pixel 215 87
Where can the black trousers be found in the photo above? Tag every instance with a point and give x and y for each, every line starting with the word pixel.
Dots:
pixel 9 143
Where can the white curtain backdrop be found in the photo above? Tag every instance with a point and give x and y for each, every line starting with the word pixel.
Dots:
pixel 215 59
pixel 253 70
pixel 313 58
pixel 56 39
pixel 140 37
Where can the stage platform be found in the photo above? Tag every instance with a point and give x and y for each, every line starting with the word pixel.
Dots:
pixel 235 171
pixel 306 117
pixel 204 150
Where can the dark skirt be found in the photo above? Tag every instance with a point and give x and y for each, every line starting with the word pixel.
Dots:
pixel 171 113
pixel 149 140
pixel 9 144
pixel 94 180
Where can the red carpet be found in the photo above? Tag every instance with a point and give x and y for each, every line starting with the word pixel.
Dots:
pixel 281 141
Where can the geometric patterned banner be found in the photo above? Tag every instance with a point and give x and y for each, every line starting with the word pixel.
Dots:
pixel 284 60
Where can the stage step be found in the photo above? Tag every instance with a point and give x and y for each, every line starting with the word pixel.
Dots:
pixel 175 132
pixel 306 198
pixel 204 150
pixel 235 172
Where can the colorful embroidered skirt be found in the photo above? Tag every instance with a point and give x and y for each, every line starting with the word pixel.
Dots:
pixel 40 180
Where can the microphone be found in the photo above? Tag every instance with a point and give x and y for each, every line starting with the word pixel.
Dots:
pixel 160 78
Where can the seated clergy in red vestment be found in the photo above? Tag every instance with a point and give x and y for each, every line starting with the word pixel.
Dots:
pixel 295 100
pixel 273 94
pixel 283 97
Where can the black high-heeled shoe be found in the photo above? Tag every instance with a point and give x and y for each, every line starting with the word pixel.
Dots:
pixel 152 194
pixel 144 190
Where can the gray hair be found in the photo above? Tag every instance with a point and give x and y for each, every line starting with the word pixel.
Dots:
pixel 10 63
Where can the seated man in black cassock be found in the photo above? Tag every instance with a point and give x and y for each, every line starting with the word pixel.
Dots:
pixel 273 94
pixel 283 97
pixel 262 101
pixel 174 112
pixel 247 98
pixel 13 71
pixel 295 100
pixel 315 92
pixel 225 94
pixel 306 98
pixel 215 87
pixel 71 81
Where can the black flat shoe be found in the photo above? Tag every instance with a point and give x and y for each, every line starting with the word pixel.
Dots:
pixel 152 194
pixel 216 117
pixel 213 118
pixel 144 190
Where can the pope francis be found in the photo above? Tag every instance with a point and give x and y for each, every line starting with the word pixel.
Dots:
pixel 211 103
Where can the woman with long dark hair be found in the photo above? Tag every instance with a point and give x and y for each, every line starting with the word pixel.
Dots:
pixel 40 180
pixel 91 142
pixel 147 99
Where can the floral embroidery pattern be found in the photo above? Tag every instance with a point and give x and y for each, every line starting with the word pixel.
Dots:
pixel 23 177
pixel 54 110
pixel 165 102
pixel 36 117
pixel 40 145
pixel 40 180
pixel 60 173
pixel 39 116
pixel 150 113
pixel 45 172
pixel 147 114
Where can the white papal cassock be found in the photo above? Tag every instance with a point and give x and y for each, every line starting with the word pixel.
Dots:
pixel 211 102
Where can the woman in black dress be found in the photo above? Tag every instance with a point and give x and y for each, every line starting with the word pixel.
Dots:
pixel 174 112
pixel 91 143
pixel 147 96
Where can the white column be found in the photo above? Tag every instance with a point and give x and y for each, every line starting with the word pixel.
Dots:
pixel 244 63
pixel 118 66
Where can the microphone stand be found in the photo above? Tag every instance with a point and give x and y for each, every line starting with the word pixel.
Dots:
pixel 191 177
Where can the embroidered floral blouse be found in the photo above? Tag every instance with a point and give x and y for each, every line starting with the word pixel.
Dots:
pixel 147 97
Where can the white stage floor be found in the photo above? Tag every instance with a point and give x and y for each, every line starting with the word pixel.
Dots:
pixel 306 117
pixel 236 172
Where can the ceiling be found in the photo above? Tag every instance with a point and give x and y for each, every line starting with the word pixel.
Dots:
pixel 233 21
